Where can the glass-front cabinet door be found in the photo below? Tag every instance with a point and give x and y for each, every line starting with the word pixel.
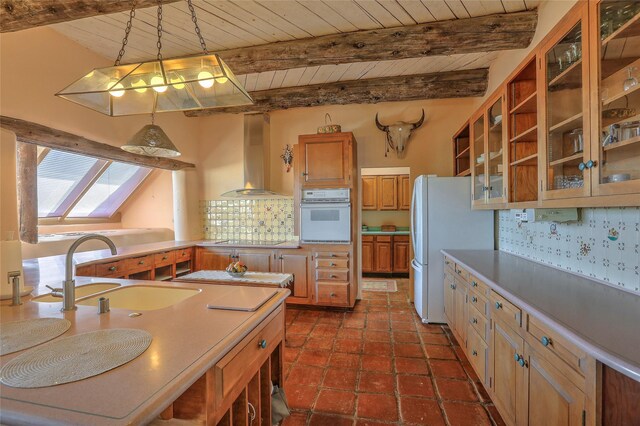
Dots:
pixel 566 134
pixel 495 158
pixel 477 159
pixel 615 38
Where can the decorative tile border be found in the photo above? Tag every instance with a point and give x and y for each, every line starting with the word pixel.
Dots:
pixel 604 244
pixel 262 219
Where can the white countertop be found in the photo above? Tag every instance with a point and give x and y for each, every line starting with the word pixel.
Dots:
pixel 600 319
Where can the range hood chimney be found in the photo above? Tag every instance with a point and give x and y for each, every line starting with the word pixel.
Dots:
pixel 256 158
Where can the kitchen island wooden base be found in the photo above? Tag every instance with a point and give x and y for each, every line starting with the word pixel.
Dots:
pixel 237 389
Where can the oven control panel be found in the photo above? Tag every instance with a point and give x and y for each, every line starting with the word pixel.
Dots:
pixel 326 194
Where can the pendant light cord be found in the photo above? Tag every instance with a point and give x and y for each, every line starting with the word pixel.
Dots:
pixel 127 30
pixel 194 19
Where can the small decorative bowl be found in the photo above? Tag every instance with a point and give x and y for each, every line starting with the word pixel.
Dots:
pixel 236 274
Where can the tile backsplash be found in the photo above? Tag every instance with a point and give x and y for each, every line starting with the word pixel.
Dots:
pixel 603 244
pixel 254 219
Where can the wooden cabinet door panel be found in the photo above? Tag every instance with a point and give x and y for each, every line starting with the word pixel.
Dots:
pixel 400 257
pixel 460 312
pixel 387 192
pixel 367 256
pixel 553 400
pixel 382 257
pixel 326 160
pixel 298 266
pixel 369 193
pixel 404 192
pixel 256 261
pixel 213 260
pixel 507 374
pixel 449 298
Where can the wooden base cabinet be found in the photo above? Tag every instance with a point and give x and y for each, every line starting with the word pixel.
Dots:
pixel 298 265
pixel 385 253
pixel 533 375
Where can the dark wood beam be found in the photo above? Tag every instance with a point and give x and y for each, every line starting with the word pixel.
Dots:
pixel 27 186
pixel 34 133
pixel 481 34
pixel 453 84
pixel 16 15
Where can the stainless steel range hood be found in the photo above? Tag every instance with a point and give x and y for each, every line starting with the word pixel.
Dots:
pixel 256 158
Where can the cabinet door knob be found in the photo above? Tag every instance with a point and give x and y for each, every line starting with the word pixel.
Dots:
pixel 582 166
pixel 332 294
pixel 590 164
pixel 332 264
pixel 141 262
pixel 474 353
pixel 474 284
pixel 112 268
pixel 333 276
pixel 164 258
pixel 474 299
pixel 545 341
pixel 475 320
pixel 304 174
pixel 262 344
pixel 498 305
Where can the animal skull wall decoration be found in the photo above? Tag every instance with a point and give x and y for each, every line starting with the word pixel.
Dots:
pixel 398 134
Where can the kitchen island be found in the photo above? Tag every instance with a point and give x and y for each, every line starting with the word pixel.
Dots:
pixel 204 365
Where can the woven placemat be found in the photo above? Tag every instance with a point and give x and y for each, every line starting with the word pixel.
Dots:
pixel 18 335
pixel 75 358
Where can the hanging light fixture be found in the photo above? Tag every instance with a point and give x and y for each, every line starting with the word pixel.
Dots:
pixel 151 140
pixel 160 85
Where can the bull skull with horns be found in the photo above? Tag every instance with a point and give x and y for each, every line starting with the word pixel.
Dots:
pixel 398 134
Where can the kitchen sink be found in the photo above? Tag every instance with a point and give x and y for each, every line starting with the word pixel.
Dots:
pixel 141 297
pixel 81 291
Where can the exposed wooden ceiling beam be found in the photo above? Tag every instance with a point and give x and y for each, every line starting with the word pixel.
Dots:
pixel 19 15
pixel 480 34
pixel 453 84
pixel 38 134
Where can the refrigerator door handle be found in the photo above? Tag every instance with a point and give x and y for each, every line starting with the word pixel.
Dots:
pixel 415 264
pixel 412 209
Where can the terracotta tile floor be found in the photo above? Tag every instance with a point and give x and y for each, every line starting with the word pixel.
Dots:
pixel 379 365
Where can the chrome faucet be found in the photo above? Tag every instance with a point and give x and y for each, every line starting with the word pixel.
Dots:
pixel 69 284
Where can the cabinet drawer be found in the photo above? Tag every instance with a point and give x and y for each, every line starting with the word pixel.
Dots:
pixel 183 255
pixel 332 263
pixel 383 238
pixel 400 238
pixel 332 254
pixel 479 322
pixel 86 270
pixel 545 341
pixel 141 263
pixel 477 351
pixel 462 272
pixel 333 293
pixel 368 238
pixel 479 286
pixel 230 369
pixel 332 275
pixel 163 259
pixel 110 269
pixel 479 302
pixel 505 310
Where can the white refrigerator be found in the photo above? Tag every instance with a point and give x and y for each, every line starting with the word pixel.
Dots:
pixel 441 218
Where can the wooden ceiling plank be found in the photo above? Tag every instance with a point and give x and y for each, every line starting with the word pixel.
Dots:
pixel 307 75
pixel 379 13
pixel 245 19
pixel 379 69
pixel 323 74
pixel 34 133
pixel 298 15
pixel 213 8
pixel 487 33
pixel 338 71
pixel 292 77
pixel 354 14
pixel 278 78
pixel 513 5
pixel 439 9
pixel 251 81
pixel 258 9
pixel 531 4
pixel 399 11
pixel 20 15
pixel 418 11
pixel 264 80
pixel 331 16
pixel 402 88
pixel 401 66
pixel 458 9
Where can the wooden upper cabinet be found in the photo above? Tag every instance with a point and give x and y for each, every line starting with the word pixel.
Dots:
pixel 404 192
pixel 615 73
pixel 388 192
pixel 564 90
pixel 369 193
pixel 326 160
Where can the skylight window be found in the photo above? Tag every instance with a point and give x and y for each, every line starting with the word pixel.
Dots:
pixel 73 185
